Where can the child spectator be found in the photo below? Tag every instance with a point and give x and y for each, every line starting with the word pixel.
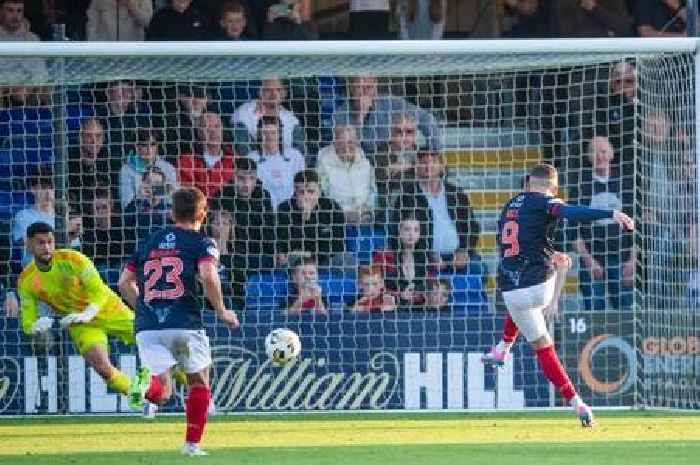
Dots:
pixel 233 22
pixel 373 295
pixel 305 295
pixel 143 158
pixel 151 209
pixel 347 176
pixel 277 164
pixel 438 295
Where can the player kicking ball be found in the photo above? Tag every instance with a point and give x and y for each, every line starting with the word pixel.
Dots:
pixel 160 282
pixel 68 282
pixel 528 276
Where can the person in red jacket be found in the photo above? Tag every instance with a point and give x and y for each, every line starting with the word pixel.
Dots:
pixel 212 166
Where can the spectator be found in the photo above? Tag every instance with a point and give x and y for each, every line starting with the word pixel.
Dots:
pixel 90 165
pixel 285 22
pixel 422 19
pixel 233 23
pixel 43 210
pixel 305 294
pixel 122 114
pixel 617 112
pixel 592 18
pixel 253 216
pixel 277 164
pixel 370 19
pixel 144 157
pixel 373 296
pixel 453 231
pixel 438 295
pixel 309 223
pixel 183 118
pixel 106 240
pixel 347 176
pixel 13 25
pixel 394 162
pixel 232 266
pixel 660 18
pixel 372 113
pixel 528 20
pixel 691 264
pixel 9 300
pixel 606 275
pixel 118 20
pixel 405 261
pixel 211 166
pixel 180 20
pixel 246 118
pixel 150 210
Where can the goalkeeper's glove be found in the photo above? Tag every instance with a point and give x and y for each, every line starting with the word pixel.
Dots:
pixel 80 317
pixel 41 325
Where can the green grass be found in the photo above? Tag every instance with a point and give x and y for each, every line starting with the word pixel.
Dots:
pixel 540 438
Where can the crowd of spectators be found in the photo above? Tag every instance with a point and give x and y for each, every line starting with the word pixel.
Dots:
pixel 168 20
pixel 282 202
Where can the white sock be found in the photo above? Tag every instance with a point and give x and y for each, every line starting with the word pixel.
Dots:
pixel 576 402
pixel 504 346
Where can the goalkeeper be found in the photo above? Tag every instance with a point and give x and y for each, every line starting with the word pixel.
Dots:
pixel 68 282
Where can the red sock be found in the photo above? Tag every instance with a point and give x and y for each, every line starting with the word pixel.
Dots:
pixel 555 373
pixel 155 390
pixel 510 330
pixel 196 410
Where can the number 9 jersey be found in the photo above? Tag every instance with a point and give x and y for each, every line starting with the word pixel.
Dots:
pixel 166 266
pixel 525 232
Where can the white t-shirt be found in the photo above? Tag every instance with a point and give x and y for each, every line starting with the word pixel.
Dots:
pixel 276 172
pixel 369 5
pixel 445 237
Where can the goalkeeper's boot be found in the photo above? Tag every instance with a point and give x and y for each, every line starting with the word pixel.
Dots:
pixel 138 388
pixel 585 414
pixel 179 376
pixel 495 357
pixel 192 449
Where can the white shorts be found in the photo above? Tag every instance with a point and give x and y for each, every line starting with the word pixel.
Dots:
pixel 161 349
pixel 525 307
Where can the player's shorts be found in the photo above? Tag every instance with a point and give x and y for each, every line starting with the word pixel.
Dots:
pixel 161 349
pixel 525 307
pixel 120 324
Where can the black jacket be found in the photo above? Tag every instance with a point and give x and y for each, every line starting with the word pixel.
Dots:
pixel 167 24
pixel 458 206
pixel 322 235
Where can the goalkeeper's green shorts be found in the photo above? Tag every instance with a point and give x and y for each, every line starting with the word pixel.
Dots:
pixel 120 324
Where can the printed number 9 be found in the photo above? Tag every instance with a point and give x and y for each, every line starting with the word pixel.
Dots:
pixel 509 236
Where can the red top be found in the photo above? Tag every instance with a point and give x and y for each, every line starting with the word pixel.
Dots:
pixel 193 171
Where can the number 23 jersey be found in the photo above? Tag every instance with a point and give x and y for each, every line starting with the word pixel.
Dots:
pixel 525 232
pixel 166 266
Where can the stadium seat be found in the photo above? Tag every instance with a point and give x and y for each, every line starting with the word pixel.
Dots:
pixel 266 289
pixel 363 241
pixel 468 292
pixel 339 288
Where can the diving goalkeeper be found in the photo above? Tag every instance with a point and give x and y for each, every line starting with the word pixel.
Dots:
pixel 68 282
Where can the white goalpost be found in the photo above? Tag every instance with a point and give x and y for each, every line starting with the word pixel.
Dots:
pixel 618 117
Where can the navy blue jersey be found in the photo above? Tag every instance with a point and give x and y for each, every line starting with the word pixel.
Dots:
pixel 525 233
pixel 166 266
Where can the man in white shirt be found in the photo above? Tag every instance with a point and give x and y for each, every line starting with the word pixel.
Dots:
pixel 276 164
pixel 247 116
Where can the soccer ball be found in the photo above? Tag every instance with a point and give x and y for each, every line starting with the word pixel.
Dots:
pixel 282 345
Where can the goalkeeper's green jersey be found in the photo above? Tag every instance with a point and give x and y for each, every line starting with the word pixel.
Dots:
pixel 69 286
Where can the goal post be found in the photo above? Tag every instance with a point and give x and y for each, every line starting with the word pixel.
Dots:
pixel 618 117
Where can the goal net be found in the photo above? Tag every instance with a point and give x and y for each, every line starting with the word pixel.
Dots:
pixel 354 191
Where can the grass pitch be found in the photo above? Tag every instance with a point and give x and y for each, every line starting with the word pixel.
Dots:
pixel 425 439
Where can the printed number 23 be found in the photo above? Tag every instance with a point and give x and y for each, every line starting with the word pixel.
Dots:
pixel 509 236
pixel 172 277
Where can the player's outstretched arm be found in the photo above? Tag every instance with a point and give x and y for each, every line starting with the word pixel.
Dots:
pixel 211 282
pixel 128 287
